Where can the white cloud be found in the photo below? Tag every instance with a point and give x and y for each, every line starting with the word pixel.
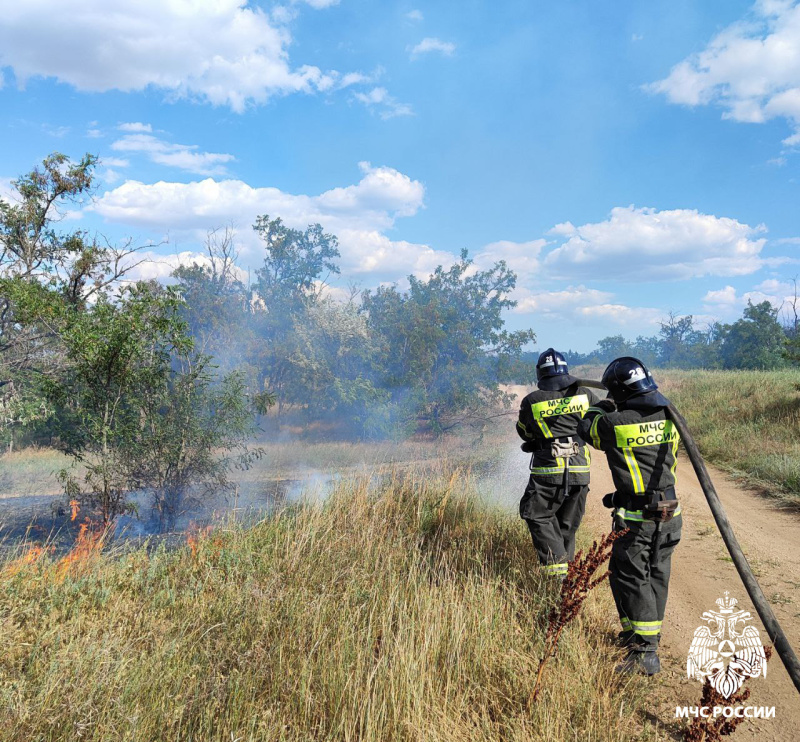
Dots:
pixel 722 298
pixel 136 127
pixel 94 133
pixel 623 315
pixel 387 107
pixel 561 303
pixel 183 156
pixel 432 44
pixel 646 244
pixel 225 52
pixel 728 303
pixel 751 69
pixel 359 214
pixel 415 15
pixel 115 162
pixel 521 257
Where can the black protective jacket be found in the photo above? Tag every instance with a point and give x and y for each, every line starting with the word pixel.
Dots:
pixel 640 442
pixel 545 415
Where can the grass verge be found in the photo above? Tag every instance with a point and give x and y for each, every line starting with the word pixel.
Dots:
pixel 748 422
pixel 399 611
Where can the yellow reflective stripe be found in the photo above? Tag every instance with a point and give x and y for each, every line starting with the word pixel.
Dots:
pixel 556 569
pixel 673 468
pixel 582 469
pixel 588 452
pixel 593 431
pixel 646 628
pixel 626 624
pixel 633 467
pixel 638 515
pixel 524 427
pixel 544 428
pixel 653 433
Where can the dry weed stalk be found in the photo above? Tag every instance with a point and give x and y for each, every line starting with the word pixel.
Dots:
pixel 579 580
pixel 713 729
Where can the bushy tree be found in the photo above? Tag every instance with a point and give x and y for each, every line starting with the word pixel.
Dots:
pixel 296 265
pixel 442 343
pixel 756 341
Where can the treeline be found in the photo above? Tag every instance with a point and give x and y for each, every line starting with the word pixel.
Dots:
pixel 758 340
pixel 160 387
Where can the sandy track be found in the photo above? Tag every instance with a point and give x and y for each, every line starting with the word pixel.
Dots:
pixel 702 572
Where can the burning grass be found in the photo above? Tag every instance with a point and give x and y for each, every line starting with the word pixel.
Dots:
pixel 403 610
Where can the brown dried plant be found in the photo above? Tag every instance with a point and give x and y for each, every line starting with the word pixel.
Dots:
pixel 714 729
pixel 579 581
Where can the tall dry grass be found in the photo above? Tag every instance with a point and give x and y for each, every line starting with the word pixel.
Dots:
pixel 745 421
pixel 403 610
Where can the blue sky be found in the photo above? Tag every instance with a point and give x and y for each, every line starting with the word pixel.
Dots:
pixel 626 158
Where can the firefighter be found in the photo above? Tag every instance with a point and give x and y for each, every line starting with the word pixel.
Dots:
pixel 641 445
pixel 555 498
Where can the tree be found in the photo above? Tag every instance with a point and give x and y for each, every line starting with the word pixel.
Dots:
pixel 792 326
pixel 296 267
pixel 442 346
pixel 46 276
pixel 118 353
pixel 614 346
pixel 756 341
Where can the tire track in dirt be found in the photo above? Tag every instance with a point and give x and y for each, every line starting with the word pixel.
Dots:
pixel 702 572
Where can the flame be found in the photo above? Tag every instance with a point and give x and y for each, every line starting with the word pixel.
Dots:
pixel 90 541
pixel 194 535
pixel 31 556
pixel 76 506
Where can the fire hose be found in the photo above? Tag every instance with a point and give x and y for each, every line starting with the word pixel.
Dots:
pixel 774 630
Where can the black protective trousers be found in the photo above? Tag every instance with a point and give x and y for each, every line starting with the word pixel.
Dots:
pixel 639 576
pixel 553 517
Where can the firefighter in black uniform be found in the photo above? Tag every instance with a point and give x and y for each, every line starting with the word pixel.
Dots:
pixel 641 445
pixel 555 498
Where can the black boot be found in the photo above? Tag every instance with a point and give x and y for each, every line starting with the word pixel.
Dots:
pixel 640 660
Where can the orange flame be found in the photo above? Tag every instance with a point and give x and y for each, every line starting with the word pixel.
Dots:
pixel 194 535
pixel 31 556
pixel 76 506
pixel 89 541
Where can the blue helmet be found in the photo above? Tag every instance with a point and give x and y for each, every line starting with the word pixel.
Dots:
pixel 628 377
pixel 552 371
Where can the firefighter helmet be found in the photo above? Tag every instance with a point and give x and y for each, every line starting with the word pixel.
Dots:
pixel 552 371
pixel 628 377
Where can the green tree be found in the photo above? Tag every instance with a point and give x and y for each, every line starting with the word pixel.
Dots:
pixel 296 266
pixel 46 276
pixel 118 353
pixel 756 341
pixel 442 343
pixel 614 346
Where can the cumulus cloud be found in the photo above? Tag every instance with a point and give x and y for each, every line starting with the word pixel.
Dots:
pixel 226 52
pixel 561 303
pixel 432 44
pixel 729 303
pixel 646 244
pixel 183 156
pixel 415 15
pixel 751 69
pixel 521 257
pixel 622 314
pixel 385 105
pixel 136 127
pixel 359 214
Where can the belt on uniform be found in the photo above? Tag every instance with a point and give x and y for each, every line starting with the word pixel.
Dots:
pixel 657 505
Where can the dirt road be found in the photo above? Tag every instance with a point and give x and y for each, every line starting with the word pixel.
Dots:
pixel 702 572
